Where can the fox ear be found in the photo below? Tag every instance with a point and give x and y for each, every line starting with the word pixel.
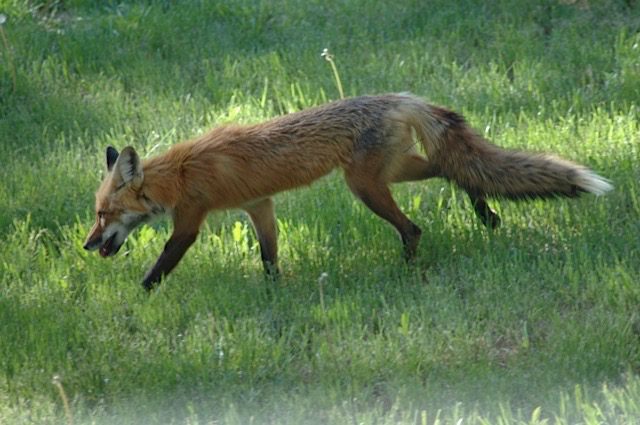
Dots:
pixel 128 165
pixel 112 155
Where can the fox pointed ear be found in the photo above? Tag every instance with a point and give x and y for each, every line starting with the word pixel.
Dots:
pixel 112 155
pixel 128 165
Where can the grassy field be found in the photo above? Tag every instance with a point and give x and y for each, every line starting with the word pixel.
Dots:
pixel 537 322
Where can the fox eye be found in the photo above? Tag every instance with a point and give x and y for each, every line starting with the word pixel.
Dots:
pixel 101 217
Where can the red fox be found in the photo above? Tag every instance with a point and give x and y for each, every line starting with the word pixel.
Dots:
pixel 373 139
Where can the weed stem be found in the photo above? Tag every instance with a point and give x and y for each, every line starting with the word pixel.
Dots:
pixel 329 58
pixel 65 401
pixel 12 66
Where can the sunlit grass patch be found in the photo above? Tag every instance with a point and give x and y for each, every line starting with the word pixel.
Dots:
pixel 535 322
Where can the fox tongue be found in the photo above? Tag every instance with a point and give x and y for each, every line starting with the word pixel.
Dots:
pixel 105 249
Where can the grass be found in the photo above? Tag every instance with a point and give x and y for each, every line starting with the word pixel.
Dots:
pixel 537 322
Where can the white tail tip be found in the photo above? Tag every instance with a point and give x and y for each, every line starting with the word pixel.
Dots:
pixel 591 182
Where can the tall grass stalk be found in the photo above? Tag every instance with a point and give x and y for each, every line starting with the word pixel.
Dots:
pixel 329 58
pixel 63 396
pixel 8 54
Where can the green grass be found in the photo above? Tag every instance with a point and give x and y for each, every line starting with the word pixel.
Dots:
pixel 537 322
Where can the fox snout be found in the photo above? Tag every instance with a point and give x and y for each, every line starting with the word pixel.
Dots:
pixel 94 238
pixel 92 243
pixel 107 243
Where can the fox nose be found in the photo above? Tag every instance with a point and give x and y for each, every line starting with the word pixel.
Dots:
pixel 91 244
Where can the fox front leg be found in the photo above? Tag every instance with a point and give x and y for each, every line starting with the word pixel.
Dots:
pixel 173 251
pixel 263 219
pixel 186 226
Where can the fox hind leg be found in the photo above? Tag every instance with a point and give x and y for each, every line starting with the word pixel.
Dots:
pixel 415 167
pixel 376 195
pixel 487 216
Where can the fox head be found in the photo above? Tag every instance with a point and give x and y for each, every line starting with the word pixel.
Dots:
pixel 121 203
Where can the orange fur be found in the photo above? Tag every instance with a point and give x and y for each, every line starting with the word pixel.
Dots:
pixel 370 138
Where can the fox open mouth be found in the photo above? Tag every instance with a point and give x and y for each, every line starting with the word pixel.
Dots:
pixel 109 248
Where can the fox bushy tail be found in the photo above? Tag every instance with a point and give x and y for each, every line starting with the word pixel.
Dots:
pixel 486 170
